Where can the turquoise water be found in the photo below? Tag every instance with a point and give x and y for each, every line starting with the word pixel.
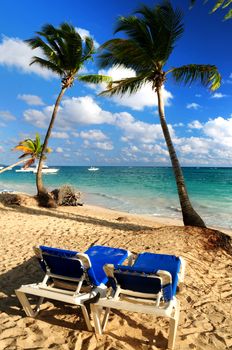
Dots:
pixel 141 190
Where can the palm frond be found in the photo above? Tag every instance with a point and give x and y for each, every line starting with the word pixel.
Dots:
pixel 208 75
pixel 94 78
pixel 228 15
pixel 124 52
pixel 47 64
pixel 88 49
pixel 120 87
pixel 219 4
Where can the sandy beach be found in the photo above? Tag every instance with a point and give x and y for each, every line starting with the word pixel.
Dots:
pixel 206 318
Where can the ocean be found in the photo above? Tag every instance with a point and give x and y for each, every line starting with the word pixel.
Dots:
pixel 140 190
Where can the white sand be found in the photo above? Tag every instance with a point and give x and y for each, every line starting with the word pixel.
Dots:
pixel 206 300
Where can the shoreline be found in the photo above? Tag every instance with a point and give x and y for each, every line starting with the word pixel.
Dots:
pixel 153 221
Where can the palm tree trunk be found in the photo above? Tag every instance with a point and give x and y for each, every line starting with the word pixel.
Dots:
pixel 39 182
pixel 190 216
pixel 13 165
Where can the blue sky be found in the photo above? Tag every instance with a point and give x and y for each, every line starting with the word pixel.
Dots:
pixel 92 130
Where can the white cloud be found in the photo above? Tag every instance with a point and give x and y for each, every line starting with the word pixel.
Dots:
pixel 73 111
pixel 195 125
pixel 178 124
pixel 14 52
pixel 37 118
pixel 96 135
pixel 106 146
pixel 59 150
pixel 1 149
pixel 218 95
pixel 85 33
pixel 220 130
pixel 137 130
pixel 7 116
pixel 145 97
pixel 60 135
pixel 193 105
pixel 31 100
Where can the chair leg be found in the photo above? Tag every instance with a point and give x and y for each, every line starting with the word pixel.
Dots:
pixel 86 317
pixel 105 319
pixel 96 319
pixel 26 305
pixel 173 326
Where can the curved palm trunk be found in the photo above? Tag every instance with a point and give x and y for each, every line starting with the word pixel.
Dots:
pixel 190 216
pixel 13 165
pixel 39 182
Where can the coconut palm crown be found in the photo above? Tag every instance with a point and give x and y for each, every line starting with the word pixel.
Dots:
pixel 31 149
pixel 149 39
pixel 63 52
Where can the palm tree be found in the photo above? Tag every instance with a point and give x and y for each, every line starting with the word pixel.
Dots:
pixel 220 4
pixel 30 148
pixel 64 53
pixel 150 39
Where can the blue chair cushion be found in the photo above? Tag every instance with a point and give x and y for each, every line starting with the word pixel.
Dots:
pixel 62 262
pixel 150 262
pixel 99 256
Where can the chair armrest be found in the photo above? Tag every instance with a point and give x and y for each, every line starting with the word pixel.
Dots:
pixel 84 258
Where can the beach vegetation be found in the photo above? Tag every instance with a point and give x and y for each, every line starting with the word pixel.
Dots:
pixel 64 53
pixel 149 38
pixel 32 150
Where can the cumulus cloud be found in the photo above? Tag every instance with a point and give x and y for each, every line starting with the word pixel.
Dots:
pixel 85 111
pixel 193 105
pixel 31 100
pixel 220 130
pixel 36 117
pixel 59 150
pixel 7 116
pixel 195 125
pixel 106 146
pixel 73 111
pixel 60 135
pixel 96 135
pixel 145 97
pixel 137 130
pixel 218 95
pixel 14 52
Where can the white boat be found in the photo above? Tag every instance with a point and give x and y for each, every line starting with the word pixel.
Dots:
pixel 92 168
pixel 1 167
pixel 45 170
pixel 27 170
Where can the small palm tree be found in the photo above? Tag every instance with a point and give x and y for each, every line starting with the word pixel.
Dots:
pixel 30 148
pixel 64 53
pixel 220 4
pixel 151 38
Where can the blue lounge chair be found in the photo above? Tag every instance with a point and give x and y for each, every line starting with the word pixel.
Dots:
pixel 148 286
pixel 71 277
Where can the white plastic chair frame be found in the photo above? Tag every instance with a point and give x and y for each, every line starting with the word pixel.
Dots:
pixel 44 290
pixel 140 302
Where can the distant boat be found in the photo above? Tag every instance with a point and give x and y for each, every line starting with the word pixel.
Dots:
pixel 27 170
pixel 45 170
pixel 92 168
